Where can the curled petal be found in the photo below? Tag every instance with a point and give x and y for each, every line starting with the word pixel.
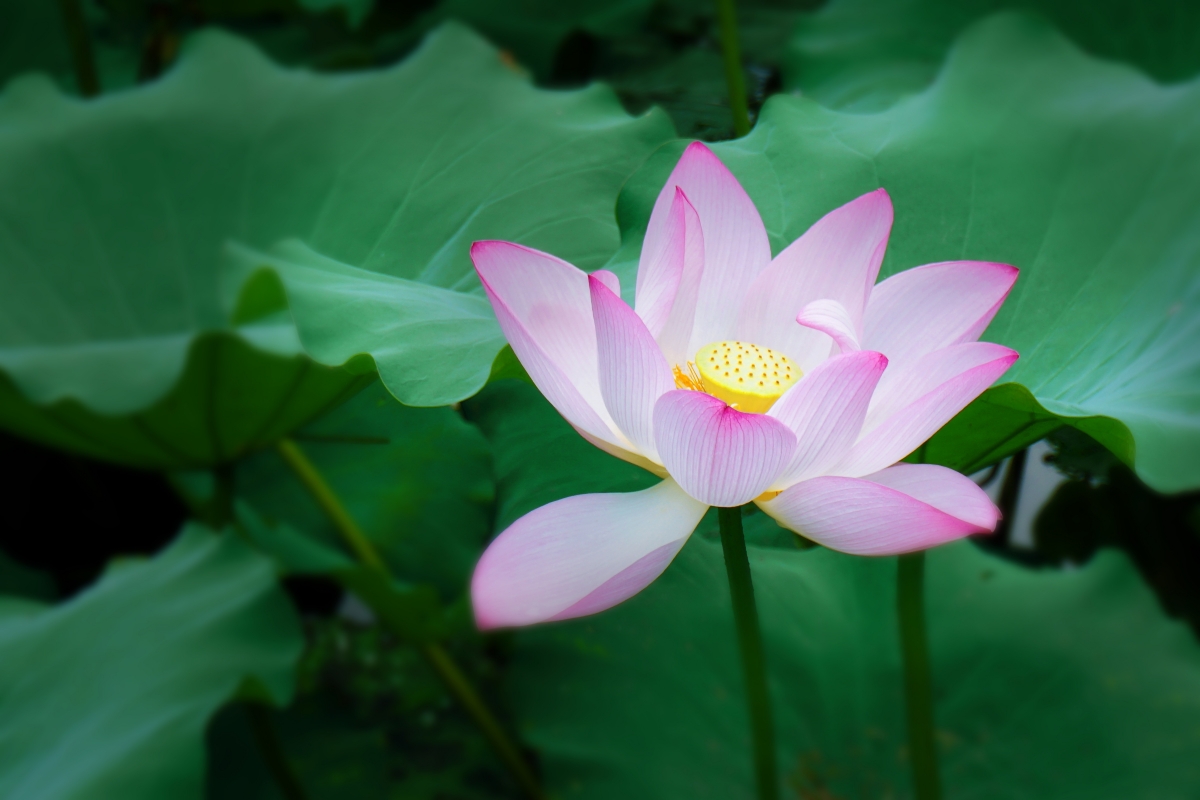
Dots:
pixel 898 510
pixel 633 372
pixel 831 318
pixel 719 455
pixel 838 259
pixel 921 401
pixel 825 411
pixel 927 308
pixel 736 247
pixel 581 555
pixel 544 307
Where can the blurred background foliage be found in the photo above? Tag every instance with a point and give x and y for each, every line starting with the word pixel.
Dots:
pixel 234 252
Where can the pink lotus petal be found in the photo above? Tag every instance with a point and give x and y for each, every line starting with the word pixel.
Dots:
pixel 609 279
pixel 633 372
pixel 908 507
pixel 719 455
pixel 838 259
pixel 927 308
pixel 736 247
pixel 831 318
pixel 675 335
pixel 661 267
pixel 581 555
pixel 545 310
pixel 939 387
pixel 902 387
pixel 944 489
pixel 825 411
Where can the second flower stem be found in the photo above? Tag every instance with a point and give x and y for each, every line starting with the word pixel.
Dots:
pixel 732 51
pixel 918 686
pixel 439 660
pixel 754 666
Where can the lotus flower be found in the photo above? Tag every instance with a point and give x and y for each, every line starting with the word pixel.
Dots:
pixel 794 382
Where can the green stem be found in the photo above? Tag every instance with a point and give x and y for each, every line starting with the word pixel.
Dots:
pixel 1010 491
pixel 272 754
pixel 329 502
pixel 754 667
pixel 727 20
pixel 918 686
pixel 438 658
pixel 80 42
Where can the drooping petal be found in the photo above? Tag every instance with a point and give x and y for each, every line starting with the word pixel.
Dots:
pixel 736 247
pixel 905 508
pixel 825 411
pixel 922 400
pixel 927 308
pixel 581 555
pixel 831 318
pixel 545 310
pixel 719 455
pixel 633 372
pixel 838 259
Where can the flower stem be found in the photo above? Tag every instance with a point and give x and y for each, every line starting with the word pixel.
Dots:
pixel 80 42
pixel 272 754
pixel 918 687
pixel 727 21
pixel 438 658
pixel 745 615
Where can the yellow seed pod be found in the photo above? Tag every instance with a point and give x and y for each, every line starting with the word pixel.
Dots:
pixel 748 377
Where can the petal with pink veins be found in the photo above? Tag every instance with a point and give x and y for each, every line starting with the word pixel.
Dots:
pixel 927 308
pixel 831 318
pixel 921 401
pixel 838 259
pixel 904 508
pixel 825 410
pixel 633 372
pixel 674 335
pixel 719 455
pixel 544 307
pixel 609 279
pixel 736 247
pixel 581 555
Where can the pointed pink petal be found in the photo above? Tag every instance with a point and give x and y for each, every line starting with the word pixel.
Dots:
pixel 831 318
pixel 719 455
pixel 903 386
pixel 908 507
pixel 936 399
pixel 661 267
pixel 825 410
pixel 633 372
pixel 927 308
pixel 545 310
pixel 675 334
pixel 736 247
pixel 581 555
pixel 944 489
pixel 609 279
pixel 838 259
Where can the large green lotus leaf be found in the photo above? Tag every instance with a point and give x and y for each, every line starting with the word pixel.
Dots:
pixel 1064 685
pixel 108 694
pixel 119 211
pixel 417 480
pixel 1081 173
pixel 863 55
